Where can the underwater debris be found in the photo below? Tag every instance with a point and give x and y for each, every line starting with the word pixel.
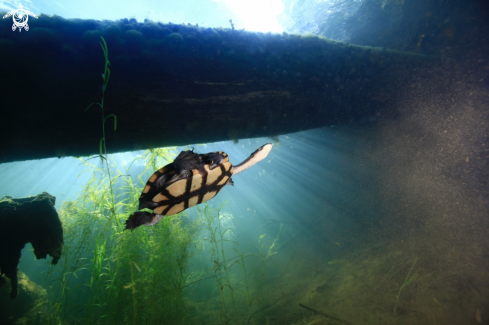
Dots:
pixel 190 180
pixel 317 312
pixel 32 219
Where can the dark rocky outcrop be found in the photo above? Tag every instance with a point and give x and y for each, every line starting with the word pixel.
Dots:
pixel 28 220
pixel 29 307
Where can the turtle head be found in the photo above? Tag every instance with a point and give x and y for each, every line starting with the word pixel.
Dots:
pixel 259 154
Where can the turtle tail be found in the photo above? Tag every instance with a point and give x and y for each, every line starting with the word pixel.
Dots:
pixel 259 154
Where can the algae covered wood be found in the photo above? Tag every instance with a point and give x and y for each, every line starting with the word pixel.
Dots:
pixel 181 84
pixel 28 220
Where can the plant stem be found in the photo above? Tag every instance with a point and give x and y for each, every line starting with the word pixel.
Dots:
pixel 409 278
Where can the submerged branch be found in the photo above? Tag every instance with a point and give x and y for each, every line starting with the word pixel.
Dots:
pixel 325 315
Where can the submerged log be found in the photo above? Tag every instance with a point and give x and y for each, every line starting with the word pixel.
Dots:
pixel 28 220
pixel 180 84
pixel 317 312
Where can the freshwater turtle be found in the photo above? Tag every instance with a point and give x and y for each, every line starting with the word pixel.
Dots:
pixel 189 180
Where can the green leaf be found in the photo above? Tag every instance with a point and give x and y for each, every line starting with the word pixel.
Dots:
pixel 108 77
pixel 91 105
pixel 100 147
pixel 225 231
pixel 115 120
pixel 105 49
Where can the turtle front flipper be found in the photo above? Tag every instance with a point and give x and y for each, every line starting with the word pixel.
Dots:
pixel 142 218
pixel 186 161
pixel 183 164
pixel 214 159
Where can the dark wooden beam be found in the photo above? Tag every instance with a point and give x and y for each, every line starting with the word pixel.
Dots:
pixel 179 84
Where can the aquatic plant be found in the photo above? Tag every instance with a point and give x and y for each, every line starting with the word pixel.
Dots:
pixel 110 276
pixel 411 277
pixel 212 223
pixel 106 275
pixel 241 262
pixel 155 158
pixel 265 252
pixel 232 295
pixel 102 143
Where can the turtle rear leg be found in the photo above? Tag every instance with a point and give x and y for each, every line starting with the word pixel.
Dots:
pixel 142 218
pixel 146 204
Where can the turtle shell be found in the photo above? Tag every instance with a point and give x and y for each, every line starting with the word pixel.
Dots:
pixel 167 192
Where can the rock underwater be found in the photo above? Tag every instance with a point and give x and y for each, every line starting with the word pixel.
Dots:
pixel 30 307
pixel 32 219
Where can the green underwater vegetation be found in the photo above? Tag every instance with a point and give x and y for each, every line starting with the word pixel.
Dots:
pixel 109 276
pixel 411 277
pixel 106 275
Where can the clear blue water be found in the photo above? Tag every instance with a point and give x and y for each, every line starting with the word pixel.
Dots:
pixel 261 16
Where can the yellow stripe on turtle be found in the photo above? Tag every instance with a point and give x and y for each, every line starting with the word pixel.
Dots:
pixel 153 178
pixel 146 189
pixel 160 197
pixel 196 181
pixel 212 175
pixel 193 201
pixel 176 189
pixel 223 181
pixel 209 195
pixel 160 209
pixel 176 209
